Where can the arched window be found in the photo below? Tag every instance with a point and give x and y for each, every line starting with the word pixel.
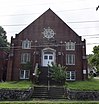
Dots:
pixel 70 45
pixel 26 44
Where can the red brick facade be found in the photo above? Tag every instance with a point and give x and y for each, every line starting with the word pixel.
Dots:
pixel 47 39
pixel 3 65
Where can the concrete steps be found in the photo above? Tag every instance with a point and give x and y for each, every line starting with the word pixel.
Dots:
pixel 40 92
pixel 52 93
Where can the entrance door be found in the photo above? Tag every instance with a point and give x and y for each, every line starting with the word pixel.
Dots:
pixel 48 58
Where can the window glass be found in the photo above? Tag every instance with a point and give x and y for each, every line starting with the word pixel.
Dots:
pixel 67 75
pixel 45 57
pixel 70 45
pixel 26 44
pixel 50 57
pixel 70 59
pixel 25 57
pixel 70 75
pixel 24 74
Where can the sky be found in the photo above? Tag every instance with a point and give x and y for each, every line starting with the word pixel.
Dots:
pixel 80 15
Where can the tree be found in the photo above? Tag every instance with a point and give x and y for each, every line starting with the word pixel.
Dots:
pixel 93 59
pixel 3 40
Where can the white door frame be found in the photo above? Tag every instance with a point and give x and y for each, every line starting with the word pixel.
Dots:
pixel 48 50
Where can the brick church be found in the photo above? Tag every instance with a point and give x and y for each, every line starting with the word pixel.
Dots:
pixel 47 39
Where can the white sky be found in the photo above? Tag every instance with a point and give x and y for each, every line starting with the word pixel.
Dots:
pixel 80 15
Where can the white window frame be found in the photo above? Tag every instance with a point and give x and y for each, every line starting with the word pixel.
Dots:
pixel 25 57
pixel 26 44
pixel 24 74
pixel 70 46
pixel 70 75
pixel 70 59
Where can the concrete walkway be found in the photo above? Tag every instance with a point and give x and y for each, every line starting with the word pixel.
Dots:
pixel 96 77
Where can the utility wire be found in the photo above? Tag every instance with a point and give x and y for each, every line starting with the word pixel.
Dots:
pixel 86 27
pixel 66 22
pixel 39 12
pixel 83 21
pixel 15 25
pixel 92 35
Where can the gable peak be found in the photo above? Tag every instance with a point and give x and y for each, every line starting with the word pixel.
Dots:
pixel 50 10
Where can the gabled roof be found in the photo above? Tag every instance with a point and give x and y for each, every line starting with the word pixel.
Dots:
pixel 48 11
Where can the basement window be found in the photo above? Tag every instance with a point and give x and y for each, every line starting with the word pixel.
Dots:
pixel 24 74
pixel 70 75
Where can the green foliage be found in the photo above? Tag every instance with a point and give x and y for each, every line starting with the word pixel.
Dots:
pixel 93 59
pixel 96 50
pixel 27 66
pixel 58 101
pixel 91 76
pixel 58 72
pixel 16 84
pixel 49 101
pixel 3 40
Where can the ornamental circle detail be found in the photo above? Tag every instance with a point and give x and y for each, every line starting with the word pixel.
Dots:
pixel 48 33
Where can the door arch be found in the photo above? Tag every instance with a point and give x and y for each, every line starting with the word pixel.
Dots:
pixel 48 56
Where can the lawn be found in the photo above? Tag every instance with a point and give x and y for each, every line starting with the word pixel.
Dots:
pixel 57 101
pixel 78 85
pixel 16 84
pixel 84 85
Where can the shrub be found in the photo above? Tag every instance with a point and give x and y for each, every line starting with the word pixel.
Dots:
pixel 58 73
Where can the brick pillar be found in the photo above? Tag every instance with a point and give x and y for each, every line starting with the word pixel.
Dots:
pixel 9 69
pixel 85 71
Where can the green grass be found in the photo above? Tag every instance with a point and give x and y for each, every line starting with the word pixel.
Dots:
pixel 49 102
pixel 84 85
pixel 78 85
pixel 16 84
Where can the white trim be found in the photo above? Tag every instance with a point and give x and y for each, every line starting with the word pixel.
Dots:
pixel 25 57
pixel 70 75
pixel 70 59
pixel 48 50
pixel 24 74
pixel 26 44
pixel 70 45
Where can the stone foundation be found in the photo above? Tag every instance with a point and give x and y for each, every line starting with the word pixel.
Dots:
pixel 27 94
pixel 83 95
pixel 14 94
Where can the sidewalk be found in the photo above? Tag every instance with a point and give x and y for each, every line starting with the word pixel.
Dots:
pixel 96 77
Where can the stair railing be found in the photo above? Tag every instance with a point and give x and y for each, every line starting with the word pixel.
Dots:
pixel 35 74
pixel 36 69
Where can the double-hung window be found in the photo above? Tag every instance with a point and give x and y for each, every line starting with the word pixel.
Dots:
pixel 25 57
pixel 70 59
